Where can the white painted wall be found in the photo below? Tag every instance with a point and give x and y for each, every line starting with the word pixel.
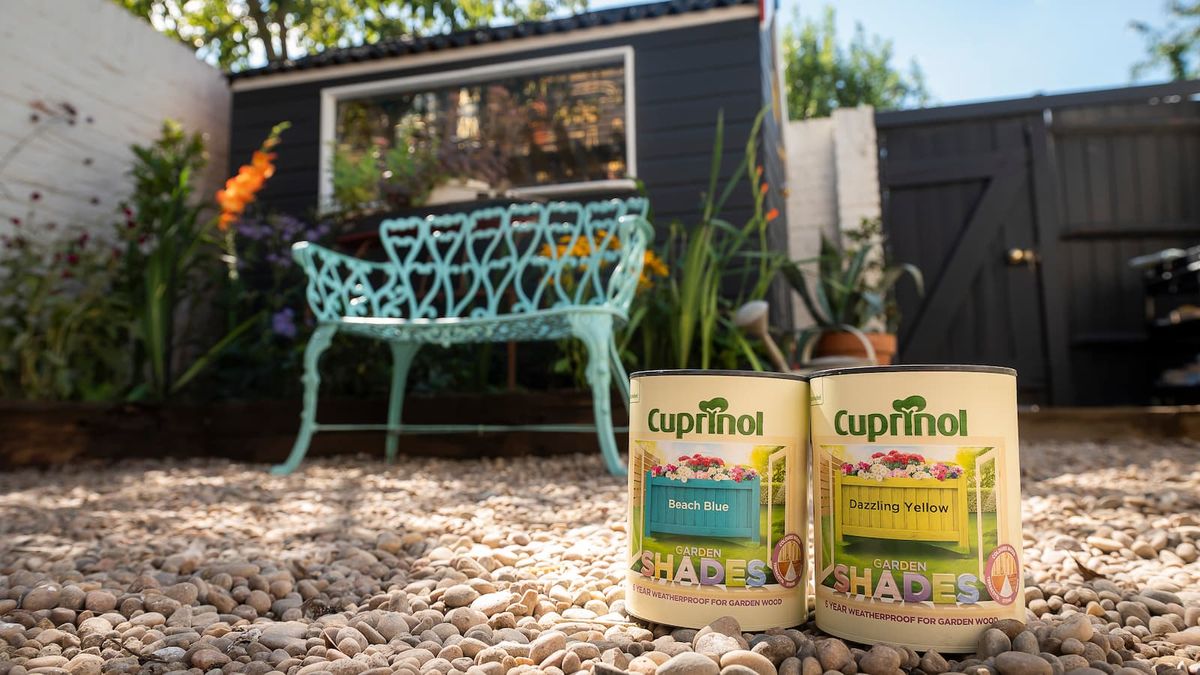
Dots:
pixel 857 156
pixel 833 181
pixel 114 68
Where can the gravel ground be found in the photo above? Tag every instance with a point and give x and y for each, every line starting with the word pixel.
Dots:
pixel 353 566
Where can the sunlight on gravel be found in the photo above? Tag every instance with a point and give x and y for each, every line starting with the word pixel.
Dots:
pixel 492 566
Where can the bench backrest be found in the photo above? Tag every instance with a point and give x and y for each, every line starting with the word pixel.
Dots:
pixel 515 259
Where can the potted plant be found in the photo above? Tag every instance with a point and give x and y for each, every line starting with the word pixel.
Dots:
pixel 852 299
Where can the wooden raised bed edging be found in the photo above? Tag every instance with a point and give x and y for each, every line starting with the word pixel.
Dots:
pixel 47 433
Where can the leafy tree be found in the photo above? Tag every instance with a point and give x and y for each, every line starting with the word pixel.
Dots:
pixel 823 75
pixel 235 34
pixel 1176 45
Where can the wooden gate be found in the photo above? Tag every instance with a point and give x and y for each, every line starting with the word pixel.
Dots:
pixel 1023 214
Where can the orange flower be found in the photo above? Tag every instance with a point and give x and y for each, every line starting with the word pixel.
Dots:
pixel 763 189
pixel 244 187
pixel 261 161
pixel 758 170
pixel 772 214
pixel 249 181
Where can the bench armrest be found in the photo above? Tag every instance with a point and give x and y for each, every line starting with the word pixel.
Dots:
pixel 635 234
pixel 343 286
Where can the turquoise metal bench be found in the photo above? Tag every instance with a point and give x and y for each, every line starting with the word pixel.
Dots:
pixel 525 272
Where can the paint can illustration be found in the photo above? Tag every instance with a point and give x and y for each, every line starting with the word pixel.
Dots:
pixel 916 504
pixel 718 480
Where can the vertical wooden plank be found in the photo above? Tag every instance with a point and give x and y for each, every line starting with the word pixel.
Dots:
pixel 1054 270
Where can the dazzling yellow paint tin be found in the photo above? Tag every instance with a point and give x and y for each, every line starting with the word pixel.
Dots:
pixel 917 504
pixel 718 478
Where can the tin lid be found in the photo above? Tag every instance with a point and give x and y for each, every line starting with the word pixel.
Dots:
pixel 917 368
pixel 721 373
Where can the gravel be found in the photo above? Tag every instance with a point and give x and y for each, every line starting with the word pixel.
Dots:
pixel 351 566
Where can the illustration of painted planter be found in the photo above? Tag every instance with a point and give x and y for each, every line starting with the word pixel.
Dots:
pixel 902 508
pixel 710 508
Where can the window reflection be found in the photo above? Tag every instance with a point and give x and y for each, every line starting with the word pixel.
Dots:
pixel 519 131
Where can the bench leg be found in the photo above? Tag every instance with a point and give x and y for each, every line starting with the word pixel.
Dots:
pixel 595 330
pixel 402 356
pixel 317 345
pixel 618 373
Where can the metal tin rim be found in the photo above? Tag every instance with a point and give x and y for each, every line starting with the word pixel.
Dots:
pixel 916 368
pixel 722 373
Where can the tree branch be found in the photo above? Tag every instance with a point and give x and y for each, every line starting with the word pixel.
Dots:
pixel 264 30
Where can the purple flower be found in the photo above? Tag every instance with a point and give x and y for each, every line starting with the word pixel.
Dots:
pixel 283 323
pixel 251 229
pixel 289 227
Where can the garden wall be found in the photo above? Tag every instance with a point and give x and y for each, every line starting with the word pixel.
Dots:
pixel 122 78
pixel 833 180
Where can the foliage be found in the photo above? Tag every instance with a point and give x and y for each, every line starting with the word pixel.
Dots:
pixel 234 34
pixel 355 180
pixel 410 173
pixel 1176 45
pixel 823 75
pixel 63 331
pixel 165 237
pixel 684 320
pixel 389 178
pixel 573 355
pixel 268 292
pixel 854 284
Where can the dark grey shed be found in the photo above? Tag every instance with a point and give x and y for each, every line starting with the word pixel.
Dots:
pixel 689 59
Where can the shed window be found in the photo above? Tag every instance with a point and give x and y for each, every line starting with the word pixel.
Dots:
pixel 526 129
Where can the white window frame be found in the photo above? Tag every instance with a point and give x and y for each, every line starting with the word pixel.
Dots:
pixel 331 96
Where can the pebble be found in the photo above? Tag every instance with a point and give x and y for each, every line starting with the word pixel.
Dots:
pixel 755 663
pixel 716 644
pixel 833 654
pixel 1078 626
pixel 1020 663
pixel 933 663
pixel 459 595
pixel 42 597
pixel 206 659
pixel 689 663
pixel 489 568
pixel 881 660
pixel 992 642
pixel 776 648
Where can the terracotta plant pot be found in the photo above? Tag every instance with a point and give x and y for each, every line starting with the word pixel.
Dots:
pixel 843 343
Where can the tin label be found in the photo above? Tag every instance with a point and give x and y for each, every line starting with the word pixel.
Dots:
pixel 717 488
pixel 916 508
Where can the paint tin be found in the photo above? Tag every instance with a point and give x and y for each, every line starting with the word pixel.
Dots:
pixel 718 490
pixel 917 504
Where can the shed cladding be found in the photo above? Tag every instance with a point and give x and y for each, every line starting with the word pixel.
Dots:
pixel 691 60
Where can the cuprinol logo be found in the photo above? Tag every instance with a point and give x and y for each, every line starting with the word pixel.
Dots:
pixel 907 420
pixel 712 419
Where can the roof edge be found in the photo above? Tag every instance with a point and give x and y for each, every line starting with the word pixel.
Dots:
pixel 460 45
pixel 1037 102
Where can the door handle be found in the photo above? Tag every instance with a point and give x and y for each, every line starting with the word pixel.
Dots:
pixel 1021 256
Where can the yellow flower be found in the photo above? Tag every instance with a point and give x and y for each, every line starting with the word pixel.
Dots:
pixel 652 266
